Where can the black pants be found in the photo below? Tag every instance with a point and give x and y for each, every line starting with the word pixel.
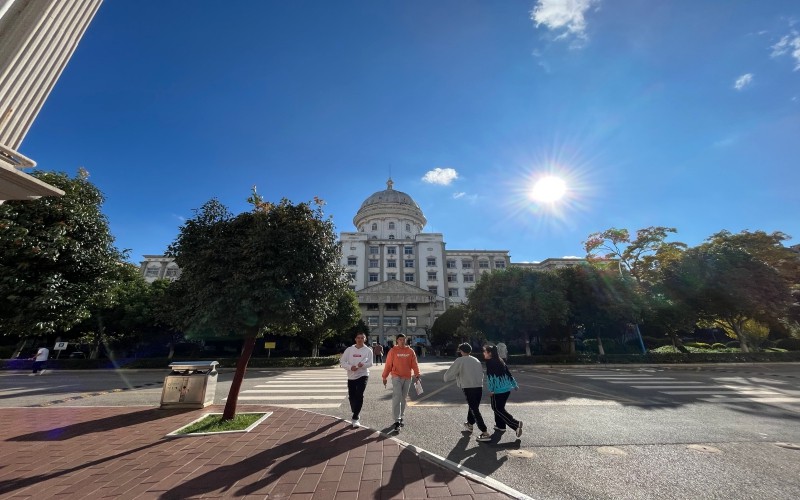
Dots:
pixel 474 416
pixel 501 417
pixel 378 358
pixel 38 365
pixel 355 392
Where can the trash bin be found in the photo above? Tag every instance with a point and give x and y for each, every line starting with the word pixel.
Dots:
pixel 191 384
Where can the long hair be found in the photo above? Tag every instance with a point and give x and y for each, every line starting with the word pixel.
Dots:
pixel 495 356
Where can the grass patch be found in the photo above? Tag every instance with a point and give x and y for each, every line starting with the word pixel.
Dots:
pixel 214 423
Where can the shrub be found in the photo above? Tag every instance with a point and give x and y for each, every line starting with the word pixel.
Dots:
pixel 718 346
pixel 790 344
pixel 590 345
pixel 699 345
pixel 734 343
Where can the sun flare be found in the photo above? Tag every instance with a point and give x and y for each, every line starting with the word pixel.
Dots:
pixel 549 189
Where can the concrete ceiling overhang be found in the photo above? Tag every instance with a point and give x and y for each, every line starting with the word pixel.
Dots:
pixel 16 184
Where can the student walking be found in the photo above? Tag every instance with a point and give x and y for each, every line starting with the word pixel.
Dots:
pixel 401 360
pixel 468 374
pixel 500 382
pixel 39 360
pixel 356 360
pixel 377 353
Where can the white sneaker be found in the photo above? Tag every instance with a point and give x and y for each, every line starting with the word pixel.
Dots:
pixel 356 423
pixel 468 427
pixel 484 437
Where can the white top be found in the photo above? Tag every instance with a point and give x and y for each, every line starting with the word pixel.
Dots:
pixel 353 356
pixel 467 371
pixel 42 354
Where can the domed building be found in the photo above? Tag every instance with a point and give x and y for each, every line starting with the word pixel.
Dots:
pixel 404 277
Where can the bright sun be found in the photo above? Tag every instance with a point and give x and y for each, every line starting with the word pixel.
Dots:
pixel 549 189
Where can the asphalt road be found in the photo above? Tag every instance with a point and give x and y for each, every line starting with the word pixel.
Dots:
pixel 678 432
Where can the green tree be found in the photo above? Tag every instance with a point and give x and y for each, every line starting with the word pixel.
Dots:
pixel 275 268
pixel 57 258
pixel 345 316
pixel 450 326
pixel 729 287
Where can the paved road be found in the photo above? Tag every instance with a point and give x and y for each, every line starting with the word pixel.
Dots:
pixel 590 432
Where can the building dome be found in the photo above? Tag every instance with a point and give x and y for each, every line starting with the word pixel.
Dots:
pixel 389 203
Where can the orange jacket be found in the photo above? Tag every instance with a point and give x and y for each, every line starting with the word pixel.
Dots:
pixel 400 363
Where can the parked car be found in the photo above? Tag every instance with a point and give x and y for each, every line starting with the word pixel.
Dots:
pixel 77 355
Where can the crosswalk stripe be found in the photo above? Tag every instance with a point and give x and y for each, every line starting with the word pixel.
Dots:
pixel 723 399
pixel 270 391
pixel 295 398
pixel 697 393
pixel 293 386
pixel 673 386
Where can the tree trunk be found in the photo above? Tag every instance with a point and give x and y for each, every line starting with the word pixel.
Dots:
pixel 600 349
pixel 528 347
pixel 236 384
pixel 98 338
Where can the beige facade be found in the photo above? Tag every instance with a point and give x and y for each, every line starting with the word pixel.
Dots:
pixel 37 39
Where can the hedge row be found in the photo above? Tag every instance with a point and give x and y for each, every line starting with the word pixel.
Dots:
pixel 163 363
pixel 667 358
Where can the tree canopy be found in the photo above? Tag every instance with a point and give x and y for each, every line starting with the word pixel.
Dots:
pixel 275 268
pixel 57 257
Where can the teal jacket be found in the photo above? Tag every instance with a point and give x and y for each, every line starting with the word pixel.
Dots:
pixel 498 378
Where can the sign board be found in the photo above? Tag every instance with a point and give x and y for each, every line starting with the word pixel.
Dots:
pixel 60 346
pixel 269 345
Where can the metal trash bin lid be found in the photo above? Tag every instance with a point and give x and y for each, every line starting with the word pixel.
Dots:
pixel 192 366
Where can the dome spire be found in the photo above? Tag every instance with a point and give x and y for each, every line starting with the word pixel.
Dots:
pixel 389 183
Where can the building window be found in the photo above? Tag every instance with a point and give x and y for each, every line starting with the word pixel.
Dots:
pixel 411 321
pixel 452 278
pixel 351 275
pixel 469 278
pixel 409 277
pixel 431 261
pixel 372 307
pixel 452 292
pixel 152 272
pixel 466 264
pixel 483 264
pixel 373 250
pixel 432 275
pixel 392 321
pixel 391 225
pixel 391 276
pixel 408 250
pixel 391 236
pixel 352 261
pixel 451 264
pixel 372 320
pixel 408 263
pixel 434 290
pixel 391 250
pixel 500 264
pixel 408 227
pixel 411 307
pixel 172 272
pixel 373 277
pixel 373 262
pixel 391 263
pixel 374 227
pixel 392 307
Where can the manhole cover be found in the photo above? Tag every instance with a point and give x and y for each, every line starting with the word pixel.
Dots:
pixel 521 453
pixel 789 446
pixel 610 450
pixel 704 448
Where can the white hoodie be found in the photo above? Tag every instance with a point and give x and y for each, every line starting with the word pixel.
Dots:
pixel 352 357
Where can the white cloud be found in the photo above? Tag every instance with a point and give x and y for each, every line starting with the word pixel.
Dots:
pixel 443 176
pixel 566 16
pixel 471 198
pixel 572 257
pixel 459 195
pixel 789 44
pixel 179 217
pixel 743 81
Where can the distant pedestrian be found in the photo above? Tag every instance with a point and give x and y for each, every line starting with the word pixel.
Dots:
pixel 356 360
pixel 468 374
pixel 502 351
pixel 500 382
pixel 39 360
pixel 377 353
pixel 400 362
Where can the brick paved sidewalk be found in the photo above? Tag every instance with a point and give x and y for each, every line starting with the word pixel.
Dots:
pixel 122 452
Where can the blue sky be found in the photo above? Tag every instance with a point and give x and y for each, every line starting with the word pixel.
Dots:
pixel 680 113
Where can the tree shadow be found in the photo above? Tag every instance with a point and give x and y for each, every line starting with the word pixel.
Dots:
pixel 310 449
pixel 79 429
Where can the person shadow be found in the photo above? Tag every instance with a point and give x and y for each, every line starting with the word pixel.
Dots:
pixel 481 458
